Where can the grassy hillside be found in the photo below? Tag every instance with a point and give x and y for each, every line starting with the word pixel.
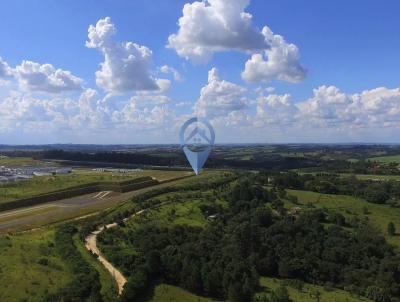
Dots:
pixel 373 176
pixel 309 292
pixel 386 159
pixel 379 215
pixel 164 292
pixel 24 273
pixel 19 161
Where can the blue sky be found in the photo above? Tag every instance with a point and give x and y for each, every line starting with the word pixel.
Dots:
pixel 345 47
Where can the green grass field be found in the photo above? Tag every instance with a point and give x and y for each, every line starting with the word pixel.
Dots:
pixel 386 159
pixel 353 160
pixel 19 161
pixel 169 293
pixel 294 154
pixel 379 215
pixel 373 177
pixel 185 211
pixel 307 294
pixel 164 292
pixel 22 278
pixel 45 184
pixel 359 176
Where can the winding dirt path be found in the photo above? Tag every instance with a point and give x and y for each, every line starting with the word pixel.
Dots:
pixel 91 245
pixel 91 240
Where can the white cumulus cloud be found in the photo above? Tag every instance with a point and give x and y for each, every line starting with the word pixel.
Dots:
pixel 281 62
pixel 5 70
pixel 33 76
pixel 330 108
pixel 211 26
pixel 275 109
pixel 145 112
pixel 170 70
pixel 220 97
pixel 215 25
pixel 126 65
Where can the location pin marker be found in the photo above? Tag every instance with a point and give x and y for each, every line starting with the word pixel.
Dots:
pixel 197 137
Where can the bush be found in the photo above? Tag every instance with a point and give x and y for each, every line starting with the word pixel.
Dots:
pixel 43 261
pixel 391 229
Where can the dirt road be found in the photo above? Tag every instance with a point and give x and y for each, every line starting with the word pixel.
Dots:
pixel 91 245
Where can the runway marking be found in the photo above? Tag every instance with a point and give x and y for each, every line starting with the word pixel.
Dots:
pixel 101 194
pixel 104 194
pixel 97 195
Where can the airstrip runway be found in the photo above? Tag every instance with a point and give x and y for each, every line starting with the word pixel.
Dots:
pixel 28 218
pixel 31 217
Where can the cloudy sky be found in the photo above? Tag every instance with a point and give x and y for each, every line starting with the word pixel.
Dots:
pixel 269 71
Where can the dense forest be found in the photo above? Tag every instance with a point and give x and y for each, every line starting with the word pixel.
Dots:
pixel 254 236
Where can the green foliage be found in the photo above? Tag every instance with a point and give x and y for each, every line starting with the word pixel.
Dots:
pixel 308 291
pixel 391 229
pixel 43 261
pixel 137 284
pixel 86 284
pixel 377 294
pixel 224 258
pixel 166 292
pixel 30 266
pixel 372 191
pixel 376 194
pixel 353 210
pixel 280 294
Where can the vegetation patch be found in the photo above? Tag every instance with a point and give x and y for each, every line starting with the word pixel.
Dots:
pixel 30 267
pixel 304 292
pixel 355 210
pixel 387 159
pixel 253 235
